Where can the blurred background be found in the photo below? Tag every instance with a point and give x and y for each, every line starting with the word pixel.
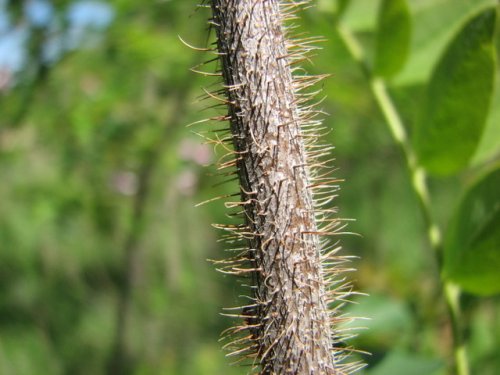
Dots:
pixel 103 255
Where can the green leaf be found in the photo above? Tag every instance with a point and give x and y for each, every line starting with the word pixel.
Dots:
pixel 488 147
pixel 458 98
pixel 393 37
pixel 472 246
pixel 434 24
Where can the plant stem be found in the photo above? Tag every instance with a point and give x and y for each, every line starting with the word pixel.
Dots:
pixel 452 295
pixel 288 327
pixel 419 183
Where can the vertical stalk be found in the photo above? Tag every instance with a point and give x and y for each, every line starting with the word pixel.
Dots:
pixel 418 181
pixel 287 323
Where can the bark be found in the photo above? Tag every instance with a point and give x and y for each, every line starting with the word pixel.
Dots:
pixel 288 322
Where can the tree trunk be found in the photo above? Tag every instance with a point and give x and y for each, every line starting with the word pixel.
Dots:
pixel 287 326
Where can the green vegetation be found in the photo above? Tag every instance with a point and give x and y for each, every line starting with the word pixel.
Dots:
pixel 103 254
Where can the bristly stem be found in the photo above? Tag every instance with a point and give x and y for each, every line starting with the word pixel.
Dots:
pixel 288 327
pixel 419 183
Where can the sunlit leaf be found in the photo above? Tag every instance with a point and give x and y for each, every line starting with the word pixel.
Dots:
pixel 472 247
pixel 434 24
pixel 393 37
pixel 458 98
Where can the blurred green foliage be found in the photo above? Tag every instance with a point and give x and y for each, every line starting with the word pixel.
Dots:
pixel 102 253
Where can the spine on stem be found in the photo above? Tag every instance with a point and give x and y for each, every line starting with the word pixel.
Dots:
pixel 283 243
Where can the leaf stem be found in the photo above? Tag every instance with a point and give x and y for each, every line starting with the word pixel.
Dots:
pixel 419 183
pixel 452 295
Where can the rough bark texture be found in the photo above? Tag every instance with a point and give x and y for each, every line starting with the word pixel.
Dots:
pixel 287 328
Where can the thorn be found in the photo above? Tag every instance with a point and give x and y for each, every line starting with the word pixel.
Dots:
pixel 193 47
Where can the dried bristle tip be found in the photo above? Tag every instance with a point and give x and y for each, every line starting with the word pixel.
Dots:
pixel 290 324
